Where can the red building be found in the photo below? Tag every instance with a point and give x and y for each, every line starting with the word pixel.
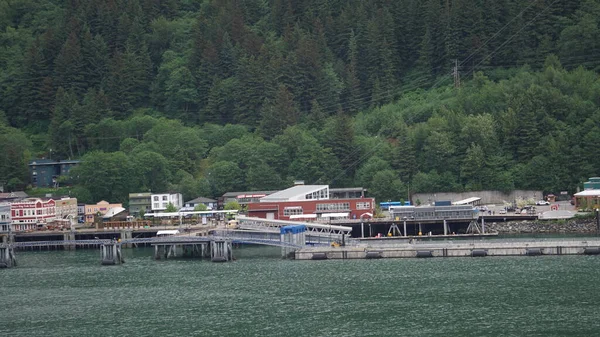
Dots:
pixel 310 201
pixel 28 213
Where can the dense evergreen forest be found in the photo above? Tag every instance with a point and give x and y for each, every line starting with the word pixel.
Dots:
pixel 208 96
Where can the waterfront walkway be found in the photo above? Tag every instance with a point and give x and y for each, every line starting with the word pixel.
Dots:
pixel 488 247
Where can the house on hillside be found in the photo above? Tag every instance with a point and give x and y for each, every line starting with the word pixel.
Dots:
pixel 45 172
pixel 210 204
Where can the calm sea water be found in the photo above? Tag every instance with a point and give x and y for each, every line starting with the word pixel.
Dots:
pixel 63 293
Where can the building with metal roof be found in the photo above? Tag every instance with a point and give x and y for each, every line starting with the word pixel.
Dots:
pixel 592 184
pixel 242 198
pixel 191 205
pixel 347 192
pixel 299 193
pixel 309 201
pixel 588 199
pixel 473 201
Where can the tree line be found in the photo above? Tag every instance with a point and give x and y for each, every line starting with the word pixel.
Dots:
pixel 209 96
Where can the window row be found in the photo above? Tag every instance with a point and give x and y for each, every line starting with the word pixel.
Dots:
pixel 157 198
pixel 31 212
pixel 363 205
pixel 292 211
pixel 320 194
pixel 340 206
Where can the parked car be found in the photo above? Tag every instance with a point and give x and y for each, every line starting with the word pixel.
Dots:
pixel 542 203
pixel 502 211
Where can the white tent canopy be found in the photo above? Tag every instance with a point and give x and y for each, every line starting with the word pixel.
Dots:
pixel 303 216
pixel 335 215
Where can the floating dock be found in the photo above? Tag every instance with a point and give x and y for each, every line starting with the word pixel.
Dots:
pixel 454 249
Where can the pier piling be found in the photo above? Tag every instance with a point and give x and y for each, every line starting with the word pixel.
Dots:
pixel 221 251
pixel 111 253
pixel 7 257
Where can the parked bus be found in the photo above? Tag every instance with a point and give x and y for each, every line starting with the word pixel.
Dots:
pixel 385 206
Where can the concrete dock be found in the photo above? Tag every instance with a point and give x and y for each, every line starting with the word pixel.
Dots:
pixel 589 246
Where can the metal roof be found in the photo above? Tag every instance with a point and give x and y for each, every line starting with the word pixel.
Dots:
pixel 200 200
pixel 292 192
pixel 466 201
pixel 235 194
pixel 112 212
pixel 588 193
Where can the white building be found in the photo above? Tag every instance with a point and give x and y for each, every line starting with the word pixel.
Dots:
pixel 161 201
pixel 4 217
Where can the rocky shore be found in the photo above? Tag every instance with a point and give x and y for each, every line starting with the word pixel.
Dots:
pixel 582 226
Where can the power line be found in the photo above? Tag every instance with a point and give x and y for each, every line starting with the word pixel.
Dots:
pixel 443 78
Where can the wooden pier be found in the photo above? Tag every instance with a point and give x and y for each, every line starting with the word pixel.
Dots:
pixel 216 250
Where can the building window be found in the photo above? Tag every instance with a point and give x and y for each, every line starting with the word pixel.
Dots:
pixel 340 206
pixel 165 198
pixel 156 205
pixel 287 211
pixel 363 205
pixel 156 198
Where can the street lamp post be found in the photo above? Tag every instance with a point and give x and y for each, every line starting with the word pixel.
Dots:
pixel 597 221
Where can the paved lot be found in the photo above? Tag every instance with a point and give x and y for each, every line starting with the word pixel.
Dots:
pixel 563 206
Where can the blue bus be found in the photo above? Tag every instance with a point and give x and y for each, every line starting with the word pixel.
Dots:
pixel 385 206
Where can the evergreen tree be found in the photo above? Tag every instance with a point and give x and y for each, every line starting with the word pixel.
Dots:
pixel 95 59
pixel 351 93
pixel 340 139
pixel 69 65
pixel 280 113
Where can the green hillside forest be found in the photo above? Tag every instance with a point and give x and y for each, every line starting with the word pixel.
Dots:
pixel 208 96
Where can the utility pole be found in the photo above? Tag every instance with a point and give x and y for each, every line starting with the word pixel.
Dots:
pixel 456 74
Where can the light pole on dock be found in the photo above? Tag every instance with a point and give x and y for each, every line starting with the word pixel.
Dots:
pixel 597 221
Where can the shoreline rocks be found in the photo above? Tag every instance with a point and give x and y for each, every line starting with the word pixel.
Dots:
pixel 575 226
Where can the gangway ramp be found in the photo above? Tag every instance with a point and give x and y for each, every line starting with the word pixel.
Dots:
pixel 271 225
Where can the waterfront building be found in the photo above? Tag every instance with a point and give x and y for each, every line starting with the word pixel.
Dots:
pixel 4 217
pixel 27 214
pixel 453 212
pixel 13 196
pixel 589 198
pixel 99 209
pixel 115 214
pixel 161 201
pixel 347 193
pixel 45 172
pixel 242 198
pixel 66 208
pixel 310 202
pixel 190 205
pixel 592 184
pixel 80 213
pixel 140 202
